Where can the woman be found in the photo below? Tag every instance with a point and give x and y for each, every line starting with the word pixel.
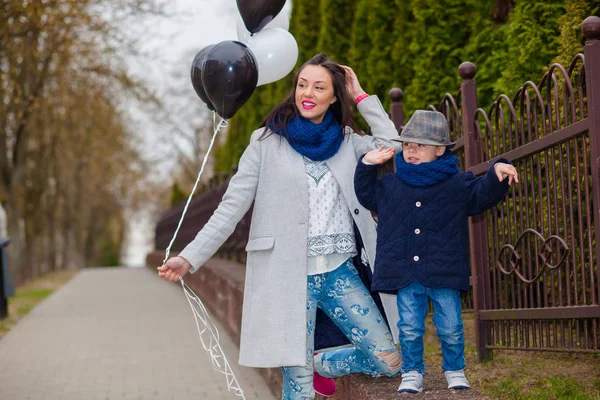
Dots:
pixel 298 170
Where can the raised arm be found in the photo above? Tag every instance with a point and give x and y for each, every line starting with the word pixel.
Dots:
pixel 235 203
pixel 488 190
pixel 366 185
pixel 372 110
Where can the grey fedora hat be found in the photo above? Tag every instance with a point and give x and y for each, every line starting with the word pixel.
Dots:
pixel 427 127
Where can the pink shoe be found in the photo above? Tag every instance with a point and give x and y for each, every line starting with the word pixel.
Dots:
pixel 323 386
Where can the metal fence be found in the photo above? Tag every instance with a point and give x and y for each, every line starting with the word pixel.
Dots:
pixel 534 257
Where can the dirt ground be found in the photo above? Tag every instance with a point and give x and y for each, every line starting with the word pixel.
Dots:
pixel 510 375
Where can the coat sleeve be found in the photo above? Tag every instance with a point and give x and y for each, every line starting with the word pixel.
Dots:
pixel 486 191
pixel 382 127
pixel 236 202
pixel 366 185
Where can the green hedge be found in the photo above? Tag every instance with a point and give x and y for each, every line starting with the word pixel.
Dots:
pixel 418 45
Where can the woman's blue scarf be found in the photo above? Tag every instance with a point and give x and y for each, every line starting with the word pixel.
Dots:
pixel 315 141
pixel 426 174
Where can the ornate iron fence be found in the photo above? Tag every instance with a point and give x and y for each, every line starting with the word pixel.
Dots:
pixel 534 257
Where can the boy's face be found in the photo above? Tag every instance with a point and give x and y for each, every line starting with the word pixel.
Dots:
pixel 415 153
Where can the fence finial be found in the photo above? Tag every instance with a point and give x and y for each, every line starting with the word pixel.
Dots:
pixel 467 70
pixel 396 95
pixel 591 28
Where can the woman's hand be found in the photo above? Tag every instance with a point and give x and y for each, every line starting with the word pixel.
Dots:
pixel 506 170
pixel 379 156
pixel 352 84
pixel 174 268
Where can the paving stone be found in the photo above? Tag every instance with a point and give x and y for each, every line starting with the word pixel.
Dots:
pixel 116 334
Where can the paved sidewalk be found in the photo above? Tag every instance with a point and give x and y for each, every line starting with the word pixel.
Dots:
pixel 115 334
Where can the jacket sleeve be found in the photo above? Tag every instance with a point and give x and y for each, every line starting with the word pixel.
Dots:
pixel 382 127
pixel 236 202
pixel 486 191
pixel 366 185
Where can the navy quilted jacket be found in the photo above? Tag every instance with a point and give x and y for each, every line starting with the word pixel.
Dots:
pixel 422 232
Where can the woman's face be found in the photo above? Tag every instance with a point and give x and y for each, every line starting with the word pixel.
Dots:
pixel 314 93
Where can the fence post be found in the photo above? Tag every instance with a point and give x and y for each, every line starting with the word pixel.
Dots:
pixel 397 112
pixel 591 30
pixel 477 224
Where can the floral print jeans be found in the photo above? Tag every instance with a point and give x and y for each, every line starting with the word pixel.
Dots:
pixel 345 299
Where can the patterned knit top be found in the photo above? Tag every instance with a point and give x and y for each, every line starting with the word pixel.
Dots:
pixel 330 229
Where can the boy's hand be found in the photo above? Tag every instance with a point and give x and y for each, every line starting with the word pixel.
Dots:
pixel 506 170
pixel 379 156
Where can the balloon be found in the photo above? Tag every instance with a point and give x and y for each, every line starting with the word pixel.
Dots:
pixel 282 20
pixel 276 53
pixel 258 13
pixel 229 76
pixel 196 73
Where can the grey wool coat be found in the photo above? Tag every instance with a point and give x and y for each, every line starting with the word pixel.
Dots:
pixel 272 174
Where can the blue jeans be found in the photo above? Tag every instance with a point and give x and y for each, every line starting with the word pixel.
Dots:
pixel 412 307
pixel 345 299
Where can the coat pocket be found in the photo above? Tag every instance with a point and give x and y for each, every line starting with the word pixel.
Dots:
pixel 260 243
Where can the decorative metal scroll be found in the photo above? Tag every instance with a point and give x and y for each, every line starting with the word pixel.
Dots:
pixel 544 255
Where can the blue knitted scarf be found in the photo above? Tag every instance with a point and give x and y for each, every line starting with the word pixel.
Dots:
pixel 315 141
pixel 426 174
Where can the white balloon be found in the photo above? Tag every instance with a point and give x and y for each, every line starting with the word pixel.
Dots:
pixel 276 53
pixel 281 20
pixel 288 6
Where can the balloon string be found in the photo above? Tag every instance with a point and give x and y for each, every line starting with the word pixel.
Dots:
pixel 217 128
pixel 201 317
pixel 209 337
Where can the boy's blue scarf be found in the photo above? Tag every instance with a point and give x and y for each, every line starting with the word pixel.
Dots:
pixel 426 174
pixel 315 141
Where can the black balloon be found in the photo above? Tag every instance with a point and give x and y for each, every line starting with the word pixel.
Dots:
pixel 229 76
pixel 257 13
pixel 196 73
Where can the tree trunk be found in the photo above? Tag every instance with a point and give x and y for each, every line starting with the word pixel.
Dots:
pixel 14 233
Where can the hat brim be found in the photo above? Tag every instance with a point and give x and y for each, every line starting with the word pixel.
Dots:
pixel 424 141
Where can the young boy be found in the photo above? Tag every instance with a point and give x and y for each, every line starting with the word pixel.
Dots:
pixel 423 238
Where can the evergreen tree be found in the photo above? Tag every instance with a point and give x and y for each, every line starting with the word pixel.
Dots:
pixel 305 26
pixel 487 49
pixel 380 67
pixel 335 33
pixel 177 195
pixel 241 126
pixel 571 39
pixel 360 43
pixel 401 57
pixel 440 32
pixel 418 45
pixel 532 41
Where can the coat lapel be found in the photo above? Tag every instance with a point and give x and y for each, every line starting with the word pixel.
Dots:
pixel 297 173
pixel 338 164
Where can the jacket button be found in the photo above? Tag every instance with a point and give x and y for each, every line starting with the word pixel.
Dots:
pixel 417 231
pixel 356 211
pixel 418 204
pixel 416 258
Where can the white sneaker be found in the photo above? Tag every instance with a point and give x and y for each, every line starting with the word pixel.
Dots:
pixel 457 379
pixel 412 382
